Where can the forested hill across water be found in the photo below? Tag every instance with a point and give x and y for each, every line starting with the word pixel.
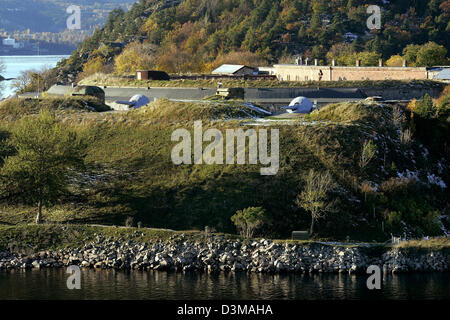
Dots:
pixel 197 35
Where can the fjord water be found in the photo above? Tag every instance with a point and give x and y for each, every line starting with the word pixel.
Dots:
pixel 16 64
pixel 154 285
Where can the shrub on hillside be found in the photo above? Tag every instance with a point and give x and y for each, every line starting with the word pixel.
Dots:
pixel 443 104
pixel 247 221
pixel 95 65
pixel 424 108
pixel 136 56
pixel 395 61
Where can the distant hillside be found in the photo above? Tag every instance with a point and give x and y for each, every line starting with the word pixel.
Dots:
pixel 50 15
pixel 196 35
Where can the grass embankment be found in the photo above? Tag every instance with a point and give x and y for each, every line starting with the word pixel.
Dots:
pixel 44 237
pixel 13 109
pixel 432 244
pixel 127 81
pixel 130 172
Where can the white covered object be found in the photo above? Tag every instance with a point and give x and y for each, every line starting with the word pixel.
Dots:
pixel 139 100
pixel 136 101
pixel 300 105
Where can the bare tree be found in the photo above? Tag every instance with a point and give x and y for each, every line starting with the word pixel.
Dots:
pixel 2 66
pixel 406 137
pixel 23 80
pixel 34 80
pixel 314 198
pixel 397 117
pixel 2 69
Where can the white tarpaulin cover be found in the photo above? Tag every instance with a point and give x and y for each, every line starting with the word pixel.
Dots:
pixel 136 101
pixel 300 105
pixel 139 100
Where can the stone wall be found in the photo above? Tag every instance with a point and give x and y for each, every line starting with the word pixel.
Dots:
pixel 218 254
pixel 329 73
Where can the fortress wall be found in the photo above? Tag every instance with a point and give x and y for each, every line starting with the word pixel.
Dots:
pixel 311 73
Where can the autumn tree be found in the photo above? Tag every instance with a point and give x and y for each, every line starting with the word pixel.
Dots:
pixel 395 61
pixel 93 66
pixel 338 50
pixel 136 56
pixel 47 153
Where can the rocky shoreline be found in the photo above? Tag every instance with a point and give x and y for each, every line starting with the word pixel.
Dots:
pixel 218 254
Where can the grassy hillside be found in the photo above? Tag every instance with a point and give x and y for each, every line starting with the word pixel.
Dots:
pixel 130 173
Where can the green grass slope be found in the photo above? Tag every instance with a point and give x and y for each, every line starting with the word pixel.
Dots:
pixel 130 172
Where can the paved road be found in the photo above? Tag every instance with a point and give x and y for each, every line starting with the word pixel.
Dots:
pixel 264 96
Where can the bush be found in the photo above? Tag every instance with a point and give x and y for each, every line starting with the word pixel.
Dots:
pixel 394 222
pixel 95 65
pixel 432 224
pixel 249 220
pixel 129 222
pixel 135 57
pixel 424 107
pixel 431 54
pixel 443 105
pixel 395 61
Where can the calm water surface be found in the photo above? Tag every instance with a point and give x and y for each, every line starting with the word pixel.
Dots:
pixel 153 285
pixel 16 64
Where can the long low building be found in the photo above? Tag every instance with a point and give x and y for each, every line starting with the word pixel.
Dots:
pixel 293 72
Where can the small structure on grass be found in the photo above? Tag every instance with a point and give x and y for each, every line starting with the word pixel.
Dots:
pixel 443 75
pixel 136 101
pixel 234 70
pixel 231 93
pixel 151 75
pixel 92 91
pixel 300 235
